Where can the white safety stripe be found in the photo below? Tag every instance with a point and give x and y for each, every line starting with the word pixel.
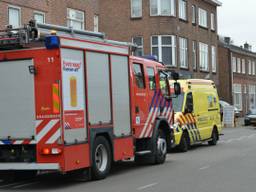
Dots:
pixel 46 129
pixel 38 122
pixel 170 117
pixel 151 122
pixel 146 124
pixel 54 137
pixel 32 142
pixel 1 143
pixel 18 142
pixel 165 109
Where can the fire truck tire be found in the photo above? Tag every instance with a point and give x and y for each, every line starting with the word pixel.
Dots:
pixel 214 140
pixel 161 147
pixel 101 158
pixel 184 143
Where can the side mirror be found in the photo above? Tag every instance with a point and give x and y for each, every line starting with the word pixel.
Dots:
pixel 175 76
pixel 177 88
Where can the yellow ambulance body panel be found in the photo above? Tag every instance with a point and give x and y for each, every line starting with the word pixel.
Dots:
pixel 197 113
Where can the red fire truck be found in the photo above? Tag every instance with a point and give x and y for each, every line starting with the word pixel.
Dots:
pixel 72 101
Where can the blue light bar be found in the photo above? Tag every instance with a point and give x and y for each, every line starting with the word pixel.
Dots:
pixel 52 42
pixel 151 57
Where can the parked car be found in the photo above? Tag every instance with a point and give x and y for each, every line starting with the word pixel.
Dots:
pixel 250 118
pixel 224 104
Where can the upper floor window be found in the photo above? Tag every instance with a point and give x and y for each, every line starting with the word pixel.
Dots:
pixel 96 23
pixel 75 19
pixel 193 14
pixel 253 68
pixel 214 59
pixel 183 9
pixel 203 57
pixel 194 54
pixel 249 67
pixel 234 64
pixel 139 42
pixel 162 7
pixel 164 47
pixel 238 65
pixel 202 17
pixel 39 17
pixel 183 43
pixel 136 8
pixel 14 16
pixel 243 66
pixel 213 21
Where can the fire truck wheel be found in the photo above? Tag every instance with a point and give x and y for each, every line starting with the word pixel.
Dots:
pixel 161 150
pixel 101 158
pixel 214 137
pixel 184 143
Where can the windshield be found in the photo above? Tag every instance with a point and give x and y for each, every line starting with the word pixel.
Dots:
pixel 178 103
pixel 253 112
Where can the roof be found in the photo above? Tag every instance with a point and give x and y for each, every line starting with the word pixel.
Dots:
pixel 214 2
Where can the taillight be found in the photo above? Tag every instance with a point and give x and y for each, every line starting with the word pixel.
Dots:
pixel 51 151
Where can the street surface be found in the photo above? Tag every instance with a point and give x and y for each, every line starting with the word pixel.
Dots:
pixel 229 166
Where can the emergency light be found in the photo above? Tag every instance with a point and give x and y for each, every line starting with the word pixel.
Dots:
pixel 52 42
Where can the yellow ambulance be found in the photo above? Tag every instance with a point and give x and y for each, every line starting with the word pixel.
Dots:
pixel 197 114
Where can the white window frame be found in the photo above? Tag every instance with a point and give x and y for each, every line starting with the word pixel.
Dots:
pixel 238 65
pixel 173 47
pixel 234 64
pixel 203 56
pixel 252 96
pixel 8 14
pixel 243 66
pixel 39 13
pixel 159 10
pixel 139 46
pixel 202 17
pixel 183 9
pixel 214 59
pixel 74 19
pixel 133 15
pixel 96 23
pixel 183 52
pixel 194 54
pixel 237 96
pixel 253 67
pixel 249 67
pixel 213 22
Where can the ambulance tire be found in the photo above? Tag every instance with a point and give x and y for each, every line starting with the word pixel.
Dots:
pixel 101 158
pixel 184 143
pixel 214 140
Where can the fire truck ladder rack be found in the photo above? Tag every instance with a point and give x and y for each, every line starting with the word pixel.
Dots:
pixel 13 38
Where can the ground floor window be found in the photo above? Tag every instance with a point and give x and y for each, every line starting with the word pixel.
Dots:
pixel 237 96
pixel 252 97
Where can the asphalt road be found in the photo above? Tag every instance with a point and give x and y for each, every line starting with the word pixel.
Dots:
pixel 229 166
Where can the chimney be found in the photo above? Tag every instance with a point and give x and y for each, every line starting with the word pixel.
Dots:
pixel 247 47
pixel 227 40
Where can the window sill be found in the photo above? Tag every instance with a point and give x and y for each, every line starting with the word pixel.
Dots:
pixel 202 27
pixel 194 24
pixel 213 30
pixel 172 16
pixel 183 20
pixel 136 18
pixel 204 71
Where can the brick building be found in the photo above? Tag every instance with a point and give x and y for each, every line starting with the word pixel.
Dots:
pixel 182 33
pixel 237 74
pixel 78 14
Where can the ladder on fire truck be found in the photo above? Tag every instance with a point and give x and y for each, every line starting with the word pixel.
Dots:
pixel 33 32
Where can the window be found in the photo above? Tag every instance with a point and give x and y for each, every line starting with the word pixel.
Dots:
pixel 243 66
pixel 96 23
pixel 139 42
pixel 237 94
pixel 139 75
pixel 253 68
pixel 75 19
pixel 252 96
pixel 163 83
pixel 249 67
pixel 234 64
pixel 165 48
pixel 212 21
pixel 183 9
pixel 14 16
pixel 136 8
pixel 202 17
pixel 183 52
pixel 193 14
pixel 214 60
pixel 151 78
pixel 194 54
pixel 203 57
pixel 238 65
pixel 162 7
pixel 39 17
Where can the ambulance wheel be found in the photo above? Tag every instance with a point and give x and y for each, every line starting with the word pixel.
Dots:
pixel 161 148
pixel 184 143
pixel 101 158
pixel 214 137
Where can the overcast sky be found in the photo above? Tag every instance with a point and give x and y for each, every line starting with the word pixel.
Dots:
pixel 237 19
